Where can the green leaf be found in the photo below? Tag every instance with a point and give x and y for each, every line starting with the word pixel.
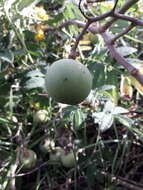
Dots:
pixel 106 87
pixel 34 79
pixel 105 120
pixel 98 116
pixel 35 82
pixel 119 110
pixel 34 73
pixel 113 94
pixel 125 50
pixel 7 56
pixel 55 19
pixel 92 97
pixel 4 66
pixel 77 117
pixel 68 110
pixel 25 3
pixel 98 73
pixel 35 53
pixel 137 63
pixel 125 120
pixel 3 121
pixel 134 39
pixel 112 79
pixel 109 107
pixel 72 12
pixel 120 25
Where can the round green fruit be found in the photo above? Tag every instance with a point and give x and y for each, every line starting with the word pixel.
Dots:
pixel 68 160
pixel 68 81
pixel 40 116
pixel 28 158
pixel 47 145
pixel 56 154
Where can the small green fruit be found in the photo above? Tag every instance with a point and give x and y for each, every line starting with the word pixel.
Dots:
pixel 68 81
pixel 56 154
pixel 68 160
pixel 28 158
pixel 40 116
pixel 47 145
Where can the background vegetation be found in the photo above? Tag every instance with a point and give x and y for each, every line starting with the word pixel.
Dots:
pixel 105 132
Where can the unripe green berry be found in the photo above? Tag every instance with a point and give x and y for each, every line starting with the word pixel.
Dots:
pixel 28 158
pixel 56 154
pixel 68 81
pixel 68 160
pixel 40 116
pixel 47 145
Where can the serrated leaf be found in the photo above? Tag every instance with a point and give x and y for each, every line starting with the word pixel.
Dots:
pixel 125 50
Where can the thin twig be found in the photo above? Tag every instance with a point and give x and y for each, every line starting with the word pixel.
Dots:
pixel 129 184
pixel 101 17
pixel 82 12
pixel 32 171
pixel 128 18
pixel 113 10
pixel 122 33
pixel 72 22
pixel 127 5
pixel 105 15
pixel 72 54
pixel 122 10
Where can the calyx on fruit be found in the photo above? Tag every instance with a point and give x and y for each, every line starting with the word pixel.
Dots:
pixel 40 116
pixel 68 160
pixel 68 81
pixel 56 154
pixel 28 158
pixel 47 145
